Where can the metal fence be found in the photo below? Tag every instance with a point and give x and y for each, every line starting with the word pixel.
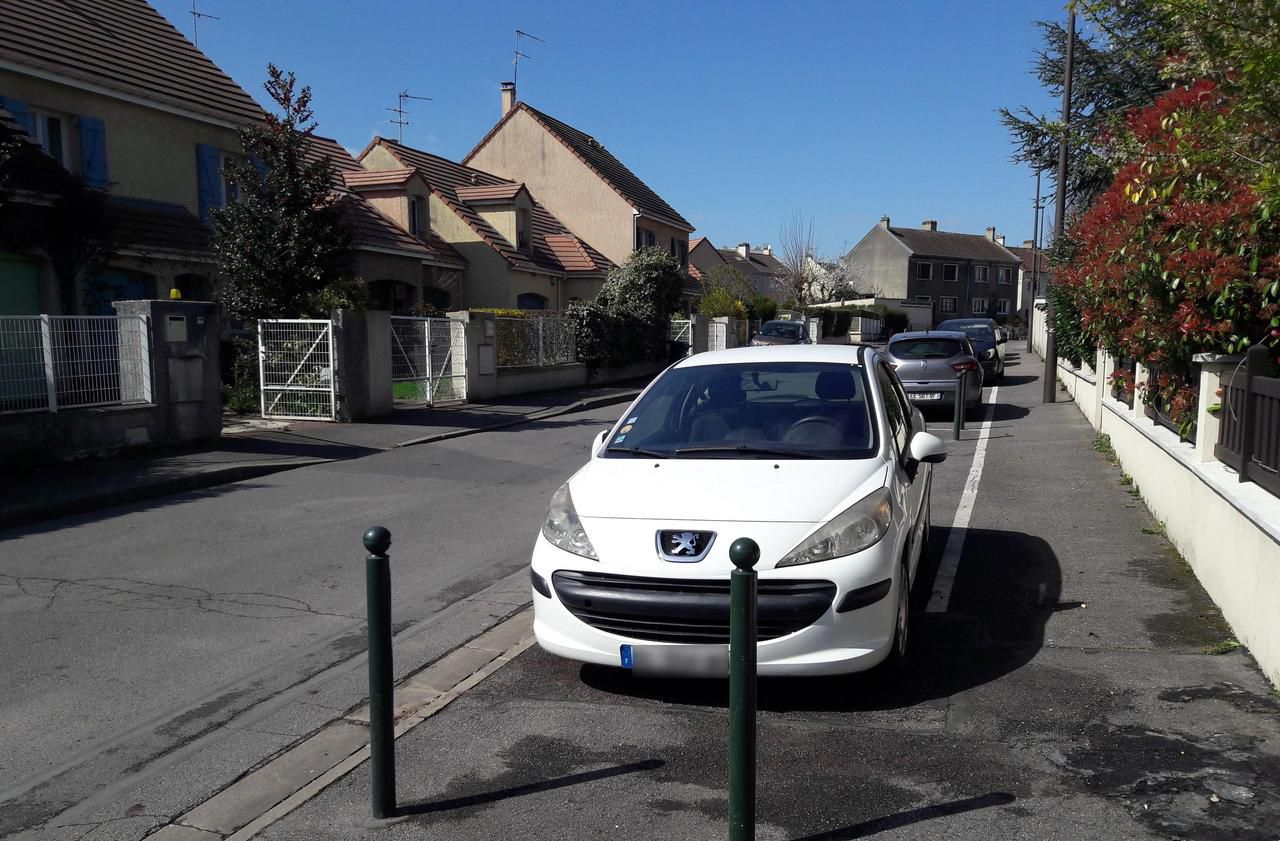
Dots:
pixel 295 359
pixel 1161 410
pixel 54 362
pixel 535 342
pixel 1249 430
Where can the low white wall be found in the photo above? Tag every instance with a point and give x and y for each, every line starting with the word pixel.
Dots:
pixel 1227 530
pixel 512 381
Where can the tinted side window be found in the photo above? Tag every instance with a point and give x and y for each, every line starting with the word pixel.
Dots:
pixel 893 408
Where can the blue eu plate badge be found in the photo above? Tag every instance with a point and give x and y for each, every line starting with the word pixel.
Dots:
pixel 628 659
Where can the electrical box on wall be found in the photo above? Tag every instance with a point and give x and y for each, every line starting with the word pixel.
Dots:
pixel 175 328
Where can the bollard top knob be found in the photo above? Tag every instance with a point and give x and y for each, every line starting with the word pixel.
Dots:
pixel 377 540
pixel 744 553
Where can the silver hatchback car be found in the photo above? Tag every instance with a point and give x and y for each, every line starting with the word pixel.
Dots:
pixel 929 364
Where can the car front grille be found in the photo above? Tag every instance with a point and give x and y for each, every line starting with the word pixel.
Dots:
pixel 686 610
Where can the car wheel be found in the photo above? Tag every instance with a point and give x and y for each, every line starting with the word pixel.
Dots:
pixel 898 652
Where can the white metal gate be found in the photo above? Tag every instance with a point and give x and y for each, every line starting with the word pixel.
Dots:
pixel 296 368
pixel 717 333
pixel 682 331
pixel 428 360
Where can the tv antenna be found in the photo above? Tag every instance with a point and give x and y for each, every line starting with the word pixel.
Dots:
pixel 196 14
pixel 399 111
pixel 515 60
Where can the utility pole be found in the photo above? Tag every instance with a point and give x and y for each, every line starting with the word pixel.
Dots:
pixel 1050 394
pixel 515 60
pixel 196 14
pixel 399 111
pixel 1035 266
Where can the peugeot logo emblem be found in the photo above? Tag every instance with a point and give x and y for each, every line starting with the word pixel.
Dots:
pixel 682 546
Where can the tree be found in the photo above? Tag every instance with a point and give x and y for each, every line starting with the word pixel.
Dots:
pixel 835 280
pixel 731 279
pixel 795 252
pixel 1114 70
pixel 720 302
pixel 630 318
pixel 283 247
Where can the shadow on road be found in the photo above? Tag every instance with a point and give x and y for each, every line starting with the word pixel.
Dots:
pixel 1008 585
pixel 1011 380
pixel 432 806
pixel 901 819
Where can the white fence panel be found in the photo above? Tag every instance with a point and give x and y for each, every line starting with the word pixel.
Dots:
pixel 717 334
pixel 53 362
pixel 296 368
pixel 428 360
pixel 535 342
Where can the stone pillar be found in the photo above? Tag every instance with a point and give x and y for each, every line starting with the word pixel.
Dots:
pixel 362 356
pixel 482 354
pixel 699 325
pixel 1102 370
pixel 1140 374
pixel 1214 369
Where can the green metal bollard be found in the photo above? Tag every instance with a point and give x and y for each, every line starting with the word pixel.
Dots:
pixel 742 690
pixel 382 735
pixel 962 396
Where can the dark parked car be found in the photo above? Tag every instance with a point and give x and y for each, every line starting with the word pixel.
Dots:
pixel 987 338
pixel 929 362
pixel 782 333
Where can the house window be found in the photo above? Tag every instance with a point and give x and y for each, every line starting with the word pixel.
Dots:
pixel 522 229
pixel 950 271
pixel 49 136
pixel 644 238
pixel 531 301
pixel 979 305
pixel 682 252
pixel 1003 275
pixel 947 304
pixel 980 274
pixel 417 215
pixel 924 271
pixel 1002 306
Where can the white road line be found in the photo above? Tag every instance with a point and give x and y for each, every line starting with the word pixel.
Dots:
pixel 946 577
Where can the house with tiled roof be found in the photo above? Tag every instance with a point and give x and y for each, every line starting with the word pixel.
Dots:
pixel 1033 275
pixel 393 249
pixel 765 271
pixel 580 181
pixel 518 253
pixel 961 275
pixel 110 91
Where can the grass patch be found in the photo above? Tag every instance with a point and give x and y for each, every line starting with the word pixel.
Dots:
pixel 1126 480
pixel 1225 646
pixel 1102 444
pixel 1149 530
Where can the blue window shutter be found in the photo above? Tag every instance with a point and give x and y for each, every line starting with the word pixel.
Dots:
pixel 93 152
pixel 208 179
pixel 21 113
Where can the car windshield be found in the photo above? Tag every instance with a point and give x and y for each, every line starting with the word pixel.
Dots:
pixel 981 332
pixel 757 410
pixel 926 348
pixel 781 329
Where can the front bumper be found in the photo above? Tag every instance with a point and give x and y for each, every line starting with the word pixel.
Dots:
pixel 835 642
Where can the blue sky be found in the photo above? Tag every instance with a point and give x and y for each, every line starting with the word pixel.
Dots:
pixel 737 113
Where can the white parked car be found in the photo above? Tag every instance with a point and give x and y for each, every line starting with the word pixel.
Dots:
pixel 812 451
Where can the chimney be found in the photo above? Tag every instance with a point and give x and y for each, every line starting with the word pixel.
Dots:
pixel 767 250
pixel 1000 239
pixel 744 249
pixel 991 233
pixel 508 97
pixel 929 225
pixel 1028 243
pixel 884 222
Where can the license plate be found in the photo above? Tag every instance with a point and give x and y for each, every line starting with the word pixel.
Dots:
pixel 927 395
pixel 694 660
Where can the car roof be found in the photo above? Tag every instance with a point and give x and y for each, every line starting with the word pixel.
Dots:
pixel 929 334
pixel 841 354
pixel 986 321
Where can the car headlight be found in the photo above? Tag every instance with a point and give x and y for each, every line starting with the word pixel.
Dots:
pixel 563 528
pixel 858 527
pixel 989 354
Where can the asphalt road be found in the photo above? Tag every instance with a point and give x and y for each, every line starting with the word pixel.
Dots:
pixel 136 631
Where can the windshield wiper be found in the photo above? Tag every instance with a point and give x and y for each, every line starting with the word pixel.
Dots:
pixel 744 449
pixel 638 451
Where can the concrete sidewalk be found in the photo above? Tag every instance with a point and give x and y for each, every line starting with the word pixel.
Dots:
pixel 1074 686
pixel 251 449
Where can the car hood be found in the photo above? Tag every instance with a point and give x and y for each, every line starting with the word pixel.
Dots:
pixel 750 490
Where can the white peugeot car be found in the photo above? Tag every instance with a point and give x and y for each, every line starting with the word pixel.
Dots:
pixel 812 451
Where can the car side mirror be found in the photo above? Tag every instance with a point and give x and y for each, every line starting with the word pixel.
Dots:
pixel 599 441
pixel 927 448
pixel 1001 340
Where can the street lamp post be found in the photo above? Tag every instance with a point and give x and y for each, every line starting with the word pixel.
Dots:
pixel 1050 394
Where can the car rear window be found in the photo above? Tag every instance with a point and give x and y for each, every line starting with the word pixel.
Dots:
pixel 926 348
pixel 784 331
pixel 755 410
pixel 971 329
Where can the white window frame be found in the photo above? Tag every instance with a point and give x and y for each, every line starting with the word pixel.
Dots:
pixel 1004 274
pixel 942 303
pixel 42 135
pixel 920 266
pixel 955 272
pixel 1002 306
pixel 979 306
pixel 981 274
